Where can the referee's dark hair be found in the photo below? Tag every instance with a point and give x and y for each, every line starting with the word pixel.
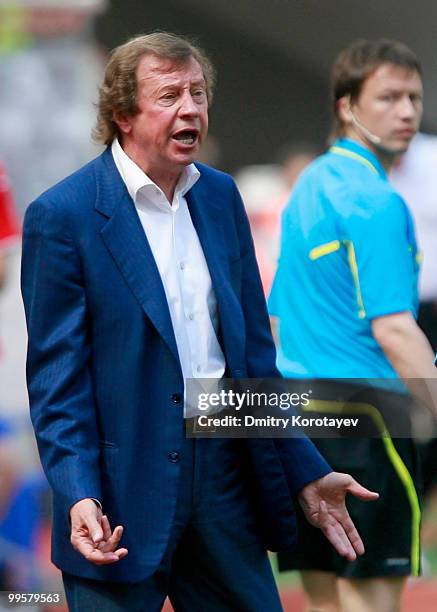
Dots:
pixel 357 62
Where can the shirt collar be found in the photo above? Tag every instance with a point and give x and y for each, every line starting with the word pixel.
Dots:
pixel 355 150
pixel 135 179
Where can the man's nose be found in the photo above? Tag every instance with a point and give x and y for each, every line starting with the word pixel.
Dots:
pixel 408 109
pixel 188 106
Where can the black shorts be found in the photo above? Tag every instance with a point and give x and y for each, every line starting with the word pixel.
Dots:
pixel 389 527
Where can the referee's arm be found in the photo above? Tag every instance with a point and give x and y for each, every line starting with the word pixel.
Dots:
pixel 408 350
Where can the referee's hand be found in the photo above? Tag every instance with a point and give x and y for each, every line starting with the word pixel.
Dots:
pixel 323 502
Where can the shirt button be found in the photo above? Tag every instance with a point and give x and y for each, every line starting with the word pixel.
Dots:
pixel 191 316
pixel 198 368
pixel 176 398
pixel 174 456
pixel 182 265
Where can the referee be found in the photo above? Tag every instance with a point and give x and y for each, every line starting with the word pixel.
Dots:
pixel 345 296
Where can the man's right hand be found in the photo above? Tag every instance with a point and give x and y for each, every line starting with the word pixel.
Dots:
pixel 91 534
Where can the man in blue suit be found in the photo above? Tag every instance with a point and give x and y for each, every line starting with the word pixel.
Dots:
pixel 139 272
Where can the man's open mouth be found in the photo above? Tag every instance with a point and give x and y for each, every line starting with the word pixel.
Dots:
pixel 187 137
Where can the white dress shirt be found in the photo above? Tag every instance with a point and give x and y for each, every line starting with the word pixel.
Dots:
pixel 416 180
pixel 181 264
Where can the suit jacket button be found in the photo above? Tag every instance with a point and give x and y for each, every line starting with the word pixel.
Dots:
pixel 174 456
pixel 176 398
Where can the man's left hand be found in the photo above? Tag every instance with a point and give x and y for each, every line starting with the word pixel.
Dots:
pixel 323 502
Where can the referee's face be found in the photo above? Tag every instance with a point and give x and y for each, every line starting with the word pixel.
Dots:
pixel 389 107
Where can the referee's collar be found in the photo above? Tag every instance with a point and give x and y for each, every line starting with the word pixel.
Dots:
pixel 355 150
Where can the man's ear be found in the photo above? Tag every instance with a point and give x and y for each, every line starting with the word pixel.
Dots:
pixel 344 109
pixel 124 123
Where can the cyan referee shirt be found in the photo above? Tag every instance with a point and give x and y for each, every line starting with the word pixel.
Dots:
pixel 348 255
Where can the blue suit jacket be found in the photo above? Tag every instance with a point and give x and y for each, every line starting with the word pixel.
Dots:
pixel 103 367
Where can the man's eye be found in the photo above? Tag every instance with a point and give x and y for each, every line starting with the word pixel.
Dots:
pixel 199 93
pixel 168 97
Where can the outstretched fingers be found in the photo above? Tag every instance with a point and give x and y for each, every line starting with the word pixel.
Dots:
pixel 352 534
pixel 342 534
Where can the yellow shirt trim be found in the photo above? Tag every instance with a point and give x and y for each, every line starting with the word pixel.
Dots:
pixel 356 156
pixel 325 249
pixel 356 278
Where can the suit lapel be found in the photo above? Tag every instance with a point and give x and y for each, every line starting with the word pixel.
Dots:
pixel 125 239
pixel 206 212
pixel 206 220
